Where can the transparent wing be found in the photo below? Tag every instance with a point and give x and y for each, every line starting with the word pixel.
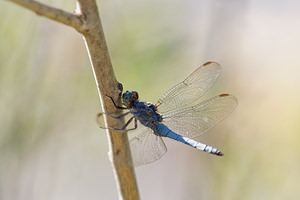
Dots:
pixel 194 121
pixel 146 147
pixel 191 89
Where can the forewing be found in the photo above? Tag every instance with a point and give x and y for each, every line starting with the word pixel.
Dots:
pixel 196 120
pixel 146 147
pixel 191 89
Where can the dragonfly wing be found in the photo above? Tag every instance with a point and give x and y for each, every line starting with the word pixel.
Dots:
pixel 146 147
pixel 191 89
pixel 196 120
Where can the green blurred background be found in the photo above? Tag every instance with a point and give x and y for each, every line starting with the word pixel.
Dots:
pixel 52 148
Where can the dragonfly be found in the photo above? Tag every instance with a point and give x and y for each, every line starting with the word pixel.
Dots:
pixel 176 115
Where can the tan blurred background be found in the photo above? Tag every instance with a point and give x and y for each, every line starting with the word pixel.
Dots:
pixel 52 148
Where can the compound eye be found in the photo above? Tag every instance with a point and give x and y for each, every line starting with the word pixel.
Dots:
pixel 135 95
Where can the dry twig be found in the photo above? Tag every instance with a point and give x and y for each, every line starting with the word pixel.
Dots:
pixel 86 20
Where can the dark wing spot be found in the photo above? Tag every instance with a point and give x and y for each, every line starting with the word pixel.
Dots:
pixel 207 63
pixel 224 95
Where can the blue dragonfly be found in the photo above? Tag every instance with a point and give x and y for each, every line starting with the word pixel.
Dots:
pixel 176 115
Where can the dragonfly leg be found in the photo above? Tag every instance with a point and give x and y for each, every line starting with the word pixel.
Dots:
pixel 122 115
pixel 127 123
pixel 100 119
pixel 112 116
pixel 118 117
pixel 125 126
pixel 135 124
pixel 118 107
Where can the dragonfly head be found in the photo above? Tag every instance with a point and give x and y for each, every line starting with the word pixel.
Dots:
pixel 129 98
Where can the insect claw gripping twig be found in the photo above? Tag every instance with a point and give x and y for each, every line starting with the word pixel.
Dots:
pixel 118 107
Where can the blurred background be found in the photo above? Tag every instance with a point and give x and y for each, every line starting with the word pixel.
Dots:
pixel 51 146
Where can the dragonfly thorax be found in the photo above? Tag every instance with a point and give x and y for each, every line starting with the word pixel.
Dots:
pixel 147 114
pixel 130 98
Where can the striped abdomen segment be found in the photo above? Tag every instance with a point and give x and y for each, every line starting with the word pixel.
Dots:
pixel 166 132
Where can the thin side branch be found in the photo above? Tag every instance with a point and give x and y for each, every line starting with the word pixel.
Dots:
pixel 55 14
